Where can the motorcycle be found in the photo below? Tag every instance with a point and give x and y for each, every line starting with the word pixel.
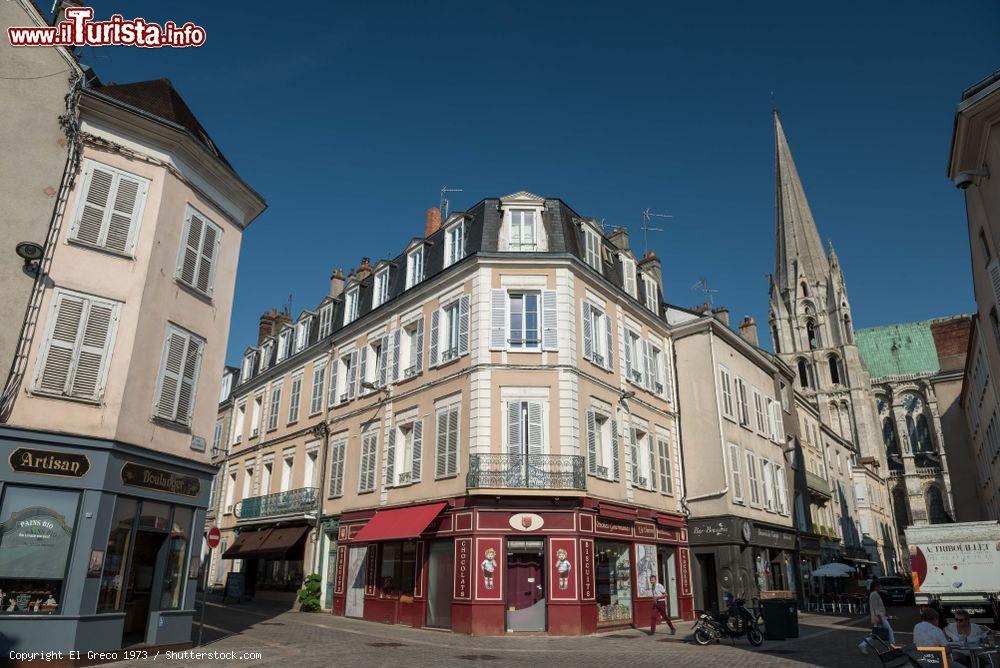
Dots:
pixel 735 622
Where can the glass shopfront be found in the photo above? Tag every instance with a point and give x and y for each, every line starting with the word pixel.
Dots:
pixel 613 568
pixel 36 533
pixel 397 574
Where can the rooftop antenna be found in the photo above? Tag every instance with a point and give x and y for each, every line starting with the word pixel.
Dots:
pixel 646 229
pixel 707 291
pixel 288 306
pixel 444 200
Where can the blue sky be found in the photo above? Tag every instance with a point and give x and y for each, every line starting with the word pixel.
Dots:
pixel 350 117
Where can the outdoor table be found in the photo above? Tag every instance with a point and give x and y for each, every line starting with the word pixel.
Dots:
pixel 982 656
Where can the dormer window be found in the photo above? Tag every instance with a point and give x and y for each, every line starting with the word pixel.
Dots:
pixel 592 247
pixel 302 333
pixel 265 355
pixel 454 244
pixel 414 266
pixel 381 292
pixel 522 230
pixel 284 344
pixel 325 321
pixel 652 293
pixel 351 305
pixel 628 276
pixel 248 366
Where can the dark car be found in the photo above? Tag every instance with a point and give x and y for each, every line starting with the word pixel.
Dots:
pixel 896 590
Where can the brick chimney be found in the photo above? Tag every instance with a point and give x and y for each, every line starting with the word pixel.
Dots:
pixel 365 269
pixel 271 323
pixel 721 313
pixel 337 283
pixel 432 221
pixel 619 238
pixel 650 264
pixel 748 330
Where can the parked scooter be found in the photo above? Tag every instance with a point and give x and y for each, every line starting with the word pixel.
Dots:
pixel 737 621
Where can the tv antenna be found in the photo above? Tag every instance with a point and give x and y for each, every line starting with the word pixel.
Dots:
pixel 444 200
pixel 707 291
pixel 646 228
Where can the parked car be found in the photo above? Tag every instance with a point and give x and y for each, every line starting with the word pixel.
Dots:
pixel 896 590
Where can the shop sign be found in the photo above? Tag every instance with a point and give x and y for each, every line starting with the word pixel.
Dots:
pixel 711 531
pixel 338 586
pixel 370 562
pixel 463 569
pixel 36 544
pixel 771 538
pixel 685 571
pixel 45 462
pixel 564 565
pixel 645 530
pixel 137 475
pixel 526 522
pixel 587 569
pixel 605 525
pixel 489 574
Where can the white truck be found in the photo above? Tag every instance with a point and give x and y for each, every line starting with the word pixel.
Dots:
pixel 957 566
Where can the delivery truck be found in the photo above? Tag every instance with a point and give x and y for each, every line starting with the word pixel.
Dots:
pixel 957 566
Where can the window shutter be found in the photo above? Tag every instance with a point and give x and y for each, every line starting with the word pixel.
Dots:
pixel 396 338
pixel 994 272
pixel 498 319
pixel 363 371
pixel 435 320
pixel 187 263
pixel 92 210
pixel 452 461
pixel 652 462
pixel 206 265
pixel 171 368
pixel 615 465
pixel 122 217
pixel 550 321
pixel 591 442
pixel 68 316
pixel 390 459
pixel 442 444
pixel 535 429
pixel 417 450
pixel 383 362
pixel 588 331
pixel 647 353
pixel 337 468
pixel 627 354
pixel 514 428
pixel 668 381
pixel 352 375
pixel 633 454
pixel 78 347
pixel 418 346
pixel 189 380
pixel 463 325
pixel 334 370
pixel 610 342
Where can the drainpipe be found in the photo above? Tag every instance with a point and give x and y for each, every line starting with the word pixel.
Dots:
pixel 722 438
pixel 323 431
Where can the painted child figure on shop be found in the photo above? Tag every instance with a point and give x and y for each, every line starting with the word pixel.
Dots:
pixel 489 566
pixel 563 568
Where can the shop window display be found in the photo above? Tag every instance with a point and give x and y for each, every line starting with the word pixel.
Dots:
pixel 398 569
pixel 36 533
pixel 120 541
pixel 175 575
pixel 614 582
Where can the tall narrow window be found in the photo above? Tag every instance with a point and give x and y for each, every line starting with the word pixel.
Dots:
pixel 835 372
pixel 525 428
pixel 602 445
pixel 524 332
pixel 351 306
pixel 743 399
pixel 665 466
pixel 369 454
pixel 768 476
pixel 381 292
pixel 178 377
pixel 522 230
pixel 338 448
pixel 598 341
pixel 302 333
pixel 753 480
pixel 454 244
pixel 294 397
pixel 446 454
pixel 273 406
pixel 726 392
pixel 318 381
pixel 805 377
pixel 414 267
pixel 652 290
pixel 325 320
pixel 592 247
pixel 736 477
pixel 199 252
pixel 628 276
pixel 109 209
pixel 812 335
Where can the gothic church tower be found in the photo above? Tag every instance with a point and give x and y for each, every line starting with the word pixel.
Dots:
pixel 812 331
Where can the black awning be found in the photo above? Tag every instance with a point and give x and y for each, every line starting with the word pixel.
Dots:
pixel 246 544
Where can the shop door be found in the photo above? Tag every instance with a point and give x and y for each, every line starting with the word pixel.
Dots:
pixel 140 584
pixel 440 581
pixel 355 604
pixel 525 585
pixel 708 590
pixel 667 563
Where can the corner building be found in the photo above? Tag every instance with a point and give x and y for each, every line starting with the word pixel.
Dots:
pixel 501 451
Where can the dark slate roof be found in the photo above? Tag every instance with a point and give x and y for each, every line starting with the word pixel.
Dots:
pixel 159 98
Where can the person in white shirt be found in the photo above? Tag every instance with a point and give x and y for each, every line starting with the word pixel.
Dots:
pixel 927 633
pixel 963 631
pixel 659 606
pixel 876 607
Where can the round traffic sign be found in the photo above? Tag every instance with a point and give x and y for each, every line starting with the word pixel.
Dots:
pixel 214 535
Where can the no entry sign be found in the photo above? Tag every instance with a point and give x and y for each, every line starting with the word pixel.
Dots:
pixel 214 535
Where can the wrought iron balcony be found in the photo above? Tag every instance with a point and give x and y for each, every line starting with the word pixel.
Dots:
pixel 509 471
pixel 293 502
pixel 817 484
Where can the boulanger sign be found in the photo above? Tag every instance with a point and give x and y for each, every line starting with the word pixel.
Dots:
pixel 45 462
pixel 137 475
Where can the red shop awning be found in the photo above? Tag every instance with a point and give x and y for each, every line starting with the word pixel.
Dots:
pixel 399 523
pixel 616 512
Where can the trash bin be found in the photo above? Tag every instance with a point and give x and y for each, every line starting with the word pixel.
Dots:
pixel 792 618
pixel 775 613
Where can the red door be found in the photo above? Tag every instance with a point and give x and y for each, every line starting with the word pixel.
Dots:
pixel 526 587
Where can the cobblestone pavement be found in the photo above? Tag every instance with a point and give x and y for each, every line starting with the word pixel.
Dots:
pixel 302 640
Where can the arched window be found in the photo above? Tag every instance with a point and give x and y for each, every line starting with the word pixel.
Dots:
pixel 811 335
pixel 835 419
pixel 900 508
pixel 805 375
pixel 925 446
pixel 805 289
pixel 848 335
pixel 775 340
pixel 891 441
pixel 836 375
pixel 936 513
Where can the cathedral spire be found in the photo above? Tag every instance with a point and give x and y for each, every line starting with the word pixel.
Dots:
pixel 799 251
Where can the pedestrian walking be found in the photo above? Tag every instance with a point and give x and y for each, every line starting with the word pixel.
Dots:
pixel 659 606
pixel 880 620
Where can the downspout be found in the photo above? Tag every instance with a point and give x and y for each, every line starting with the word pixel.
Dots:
pixel 722 439
pixel 323 429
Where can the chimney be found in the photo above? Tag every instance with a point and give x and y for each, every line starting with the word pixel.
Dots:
pixel 722 313
pixel 748 330
pixel 271 322
pixel 337 283
pixel 432 222
pixel 365 269
pixel 650 264
pixel 619 238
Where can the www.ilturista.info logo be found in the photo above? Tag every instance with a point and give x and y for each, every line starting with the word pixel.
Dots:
pixel 79 29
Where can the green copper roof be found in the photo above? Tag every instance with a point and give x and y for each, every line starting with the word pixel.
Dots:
pixel 898 350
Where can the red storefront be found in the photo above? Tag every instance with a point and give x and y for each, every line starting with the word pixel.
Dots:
pixel 489 567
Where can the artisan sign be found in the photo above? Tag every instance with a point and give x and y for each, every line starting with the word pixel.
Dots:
pixel 137 475
pixel 45 462
pixel 612 527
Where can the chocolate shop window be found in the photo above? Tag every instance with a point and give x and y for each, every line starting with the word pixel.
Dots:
pixel 398 569
pixel 37 535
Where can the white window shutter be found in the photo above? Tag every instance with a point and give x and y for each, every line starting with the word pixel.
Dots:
pixel 536 431
pixel 363 371
pixel 442 443
pixel 171 368
pixel 418 346
pixel 67 314
pixel 550 321
pixel 417 450
pixel 588 331
pixel 615 464
pixel 383 362
pixel 390 459
pixel 647 354
pixel 668 381
pixel 97 193
pixel 189 380
pixel 610 342
pixel 463 325
pixel 352 375
pixel 435 321
pixel 514 427
pixel 498 319
pixel 652 462
pixel 334 370
pixel 627 353
pixel 123 214
pixel 634 455
pixel 209 251
pixel 452 459
pixel 94 349
pixel 591 442
pixel 396 339
pixel 187 261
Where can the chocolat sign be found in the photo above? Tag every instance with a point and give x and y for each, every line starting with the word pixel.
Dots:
pixel 137 475
pixel 45 462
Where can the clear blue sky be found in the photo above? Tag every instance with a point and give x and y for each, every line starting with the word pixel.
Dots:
pixel 349 117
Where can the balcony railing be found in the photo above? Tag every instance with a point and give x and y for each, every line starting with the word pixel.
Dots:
pixel 929 470
pixel 292 502
pixel 517 471
pixel 817 484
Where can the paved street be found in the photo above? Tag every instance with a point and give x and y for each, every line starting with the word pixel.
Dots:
pixel 302 640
